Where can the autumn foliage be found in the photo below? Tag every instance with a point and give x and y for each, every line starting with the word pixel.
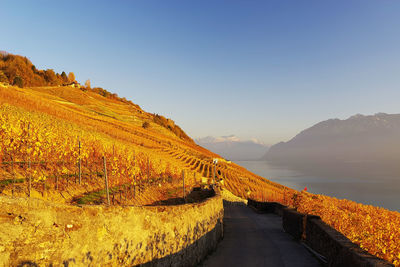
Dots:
pixel 20 71
pixel 43 126
pixel 372 228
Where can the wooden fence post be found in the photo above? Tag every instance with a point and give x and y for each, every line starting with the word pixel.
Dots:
pixel 106 179
pixel 29 164
pixel 79 162
pixel 30 177
pixel 214 167
pixel 148 171
pixel 13 175
pixel 183 184
pixel 134 186
pixel 57 180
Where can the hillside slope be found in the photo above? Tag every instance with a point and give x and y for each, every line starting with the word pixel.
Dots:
pixel 62 143
pixel 46 124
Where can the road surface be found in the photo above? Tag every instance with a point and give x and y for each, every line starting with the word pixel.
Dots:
pixel 252 239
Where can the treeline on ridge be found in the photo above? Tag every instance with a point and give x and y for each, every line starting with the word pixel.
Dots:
pixel 19 71
pixel 107 94
pixel 170 125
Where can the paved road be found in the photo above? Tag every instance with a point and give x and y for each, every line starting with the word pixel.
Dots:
pixel 252 239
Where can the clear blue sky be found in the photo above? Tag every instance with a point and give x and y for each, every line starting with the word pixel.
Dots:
pixel 256 69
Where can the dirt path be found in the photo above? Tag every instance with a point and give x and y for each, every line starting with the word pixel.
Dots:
pixel 252 239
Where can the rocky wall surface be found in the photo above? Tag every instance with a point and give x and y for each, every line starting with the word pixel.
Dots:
pixel 293 223
pixel 337 248
pixel 38 233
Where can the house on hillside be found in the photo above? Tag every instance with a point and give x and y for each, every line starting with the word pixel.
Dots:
pixel 73 84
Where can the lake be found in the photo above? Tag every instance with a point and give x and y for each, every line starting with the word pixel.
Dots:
pixel 354 182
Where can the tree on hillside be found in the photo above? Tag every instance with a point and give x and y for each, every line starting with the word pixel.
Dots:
pixel 87 84
pixel 3 78
pixel 50 77
pixel 64 77
pixel 14 65
pixel 34 69
pixel 18 81
pixel 145 125
pixel 71 77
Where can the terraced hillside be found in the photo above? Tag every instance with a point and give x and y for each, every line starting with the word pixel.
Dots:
pixel 56 138
pixel 60 143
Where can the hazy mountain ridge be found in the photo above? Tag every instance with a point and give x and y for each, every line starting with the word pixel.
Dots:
pixel 373 138
pixel 233 148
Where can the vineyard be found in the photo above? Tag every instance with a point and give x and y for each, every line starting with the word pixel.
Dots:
pixel 61 143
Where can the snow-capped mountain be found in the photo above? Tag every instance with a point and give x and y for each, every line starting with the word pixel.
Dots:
pixel 233 148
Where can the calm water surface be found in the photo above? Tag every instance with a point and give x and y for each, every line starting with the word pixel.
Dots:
pixel 357 184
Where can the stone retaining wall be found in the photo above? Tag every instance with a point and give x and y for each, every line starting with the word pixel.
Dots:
pixel 338 249
pixel 267 207
pixel 293 223
pixel 335 247
pixel 38 233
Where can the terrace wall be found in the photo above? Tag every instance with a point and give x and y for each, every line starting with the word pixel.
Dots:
pixel 36 233
pixel 337 249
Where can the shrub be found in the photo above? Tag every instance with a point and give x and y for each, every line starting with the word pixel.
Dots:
pixel 3 78
pixel 145 125
pixel 170 125
pixel 18 81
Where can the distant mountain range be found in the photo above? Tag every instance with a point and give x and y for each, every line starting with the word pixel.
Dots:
pixel 371 139
pixel 232 148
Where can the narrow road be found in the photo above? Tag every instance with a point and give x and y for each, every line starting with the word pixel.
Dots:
pixel 252 239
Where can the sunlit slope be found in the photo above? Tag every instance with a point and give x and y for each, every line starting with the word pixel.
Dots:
pixel 90 103
pixel 40 131
pixel 118 124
